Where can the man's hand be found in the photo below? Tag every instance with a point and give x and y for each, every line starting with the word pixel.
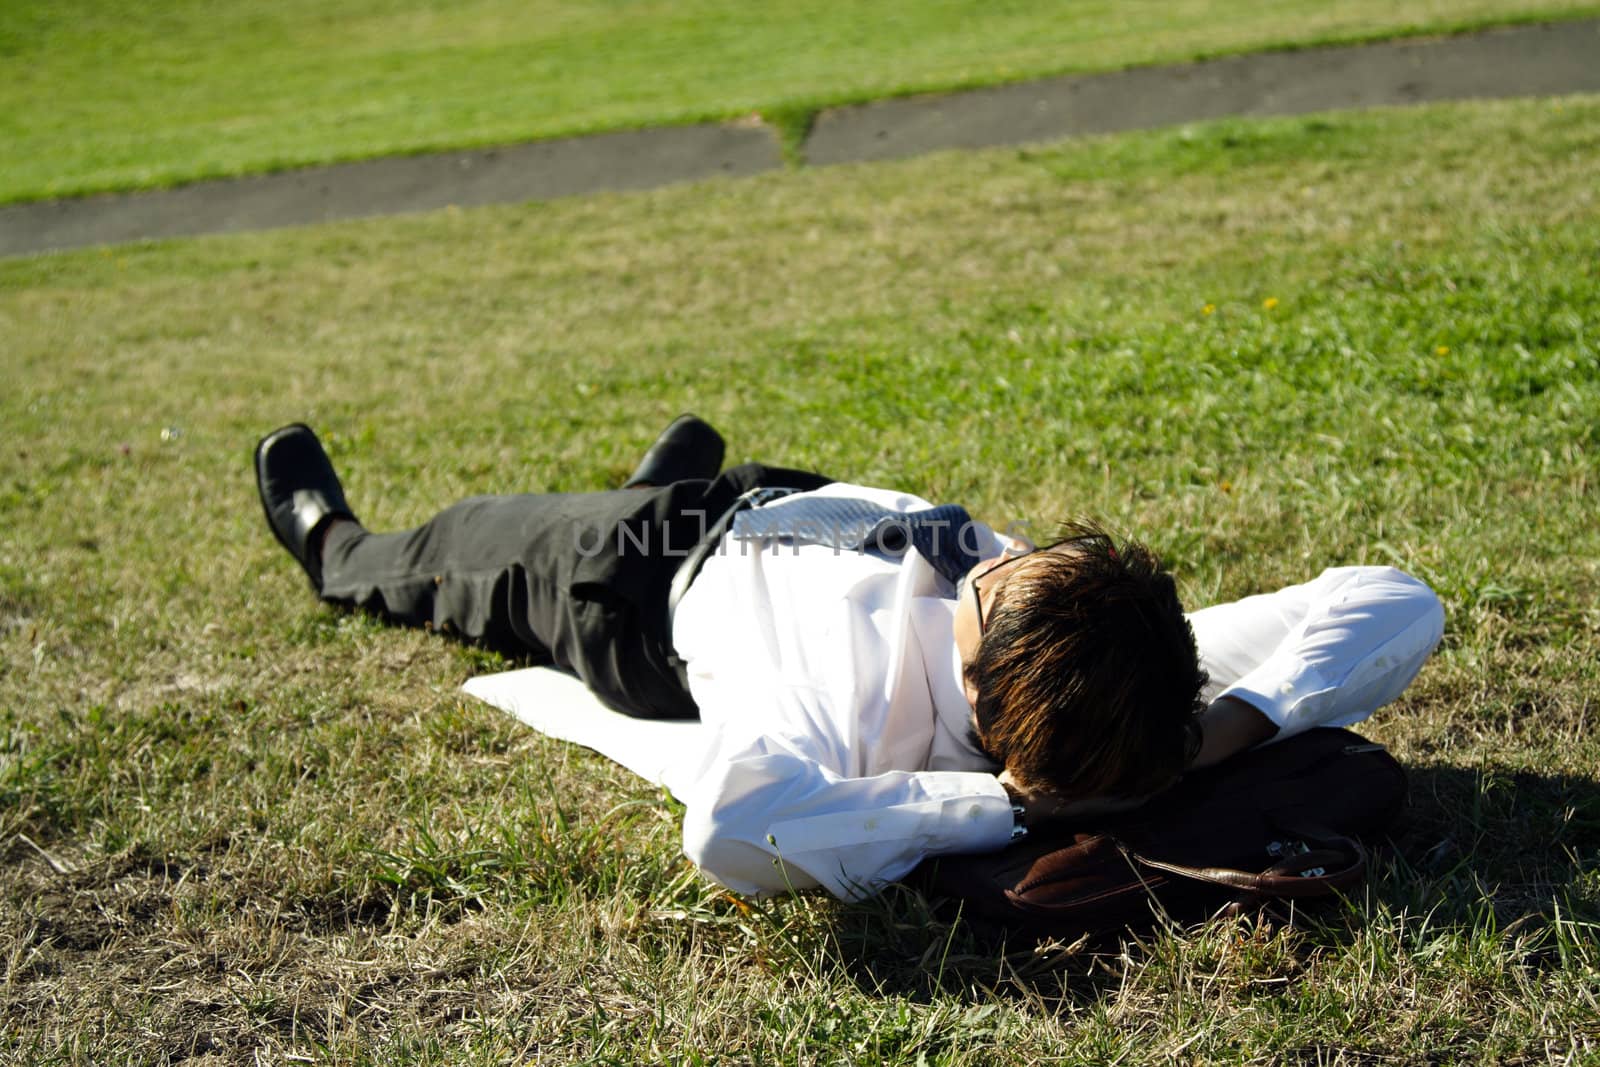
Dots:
pixel 1039 808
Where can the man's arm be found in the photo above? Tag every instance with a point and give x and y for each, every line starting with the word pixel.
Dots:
pixel 768 819
pixel 1325 653
pixel 1228 726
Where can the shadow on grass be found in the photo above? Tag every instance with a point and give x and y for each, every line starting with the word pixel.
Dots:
pixel 1483 854
pixel 1521 842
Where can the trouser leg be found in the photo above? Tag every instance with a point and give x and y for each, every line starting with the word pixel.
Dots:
pixel 506 572
pixel 577 580
pixel 449 574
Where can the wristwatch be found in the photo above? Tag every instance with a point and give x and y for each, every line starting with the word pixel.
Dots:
pixel 1019 823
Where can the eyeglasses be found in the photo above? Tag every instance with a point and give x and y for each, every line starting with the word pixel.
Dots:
pixel 986 576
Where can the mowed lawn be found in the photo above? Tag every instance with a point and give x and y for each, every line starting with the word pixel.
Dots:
pixel 237 824
pixel 98 95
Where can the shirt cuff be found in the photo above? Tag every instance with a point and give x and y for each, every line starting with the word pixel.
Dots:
pixel 1283 688
pixel 953 812
pixel 977 816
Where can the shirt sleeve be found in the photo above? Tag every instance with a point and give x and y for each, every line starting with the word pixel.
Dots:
pixel 771 820
pixel 1326 653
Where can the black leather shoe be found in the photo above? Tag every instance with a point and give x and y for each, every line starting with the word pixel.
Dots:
pixel 689 448
pixel 299 491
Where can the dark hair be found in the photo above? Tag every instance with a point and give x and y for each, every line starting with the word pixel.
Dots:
pixel 1087 677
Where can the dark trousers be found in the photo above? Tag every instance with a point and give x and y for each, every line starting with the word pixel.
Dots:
pixel 577 580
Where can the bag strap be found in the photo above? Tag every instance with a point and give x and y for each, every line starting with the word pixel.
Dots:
pixel 1342 865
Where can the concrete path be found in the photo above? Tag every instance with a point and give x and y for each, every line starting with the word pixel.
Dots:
pixel 1537 60
pixel 1551 59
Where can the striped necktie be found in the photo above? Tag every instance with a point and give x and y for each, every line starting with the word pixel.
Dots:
pixel 941 534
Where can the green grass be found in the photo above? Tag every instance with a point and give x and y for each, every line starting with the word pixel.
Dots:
pixel 235 824
pixel 100 96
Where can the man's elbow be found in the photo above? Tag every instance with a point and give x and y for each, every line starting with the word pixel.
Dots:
pixel 1432 608
pixel 716 842
pixel 1410 611
pixel 1421 602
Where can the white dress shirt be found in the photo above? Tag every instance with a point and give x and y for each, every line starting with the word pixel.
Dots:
pixel 836 749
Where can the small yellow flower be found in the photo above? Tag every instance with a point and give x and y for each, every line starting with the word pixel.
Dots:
pixel 1209 309
pixel 1442 350
pixel 1270 302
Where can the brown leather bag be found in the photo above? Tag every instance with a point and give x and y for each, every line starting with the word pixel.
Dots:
pixel 1280 822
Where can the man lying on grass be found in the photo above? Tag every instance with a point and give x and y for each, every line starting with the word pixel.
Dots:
pixel 880 680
